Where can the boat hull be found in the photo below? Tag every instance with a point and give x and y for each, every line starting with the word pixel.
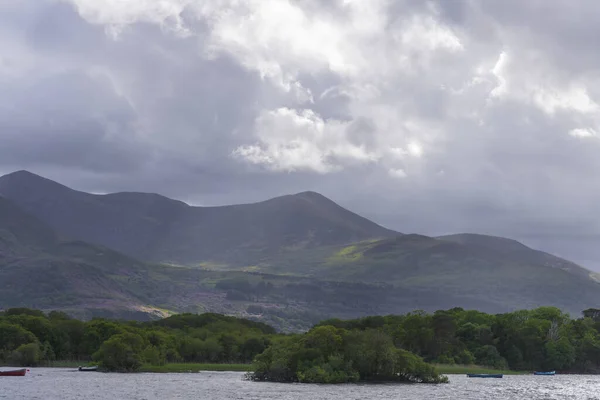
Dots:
pixel 88 369
pixel 16 372
pixel 485 375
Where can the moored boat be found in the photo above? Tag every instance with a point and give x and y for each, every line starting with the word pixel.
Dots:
pixel 14 372
pixel 88 369
pixel 485 375
pixel 544 372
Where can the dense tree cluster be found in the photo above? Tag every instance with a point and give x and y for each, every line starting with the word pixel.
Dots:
pixel 30 338
pixel 327 354
pixel 542 339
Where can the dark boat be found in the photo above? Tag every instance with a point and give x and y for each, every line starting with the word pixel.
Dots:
pixel 89 369
pixel 14 372
pixel 544 373
pixel 485 375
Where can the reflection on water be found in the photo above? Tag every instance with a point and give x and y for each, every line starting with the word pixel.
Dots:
pixel 64 384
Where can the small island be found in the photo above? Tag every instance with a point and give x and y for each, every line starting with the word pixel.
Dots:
pixel 328 354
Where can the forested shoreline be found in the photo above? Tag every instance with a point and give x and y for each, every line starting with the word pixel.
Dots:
pixel 31 338
pixel 377 348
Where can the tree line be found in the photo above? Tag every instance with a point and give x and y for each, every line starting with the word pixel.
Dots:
pixel 30 338
pixel 542 339
pixel 393 347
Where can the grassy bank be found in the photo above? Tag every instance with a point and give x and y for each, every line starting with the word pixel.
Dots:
pixel 65 364
pixel 447 369
pixel 195 367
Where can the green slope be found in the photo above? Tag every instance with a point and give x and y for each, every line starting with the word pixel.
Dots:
pixel 501 272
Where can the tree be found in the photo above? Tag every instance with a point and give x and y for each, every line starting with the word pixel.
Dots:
pixel 592 313
pixel 153 356
pixel 23 311
pixel 13 336
pixel 122 352
pixel 252 347
pixel 97 332
pixel 560 355
pixel 27 355
pixel 488 355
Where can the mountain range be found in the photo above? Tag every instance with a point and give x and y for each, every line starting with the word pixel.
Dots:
pixel 289 261
pixel 155 228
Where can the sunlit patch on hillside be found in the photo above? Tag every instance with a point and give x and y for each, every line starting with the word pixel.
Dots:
pixel 213 266
pixel 154 311
pixel 595 276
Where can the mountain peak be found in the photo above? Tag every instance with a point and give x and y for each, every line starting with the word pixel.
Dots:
pixel 314 197
pixel 24 182
pixel 310 194
pixel 27 176
pixel 23 174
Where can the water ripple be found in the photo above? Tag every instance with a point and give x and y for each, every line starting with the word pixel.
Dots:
pixel 64 384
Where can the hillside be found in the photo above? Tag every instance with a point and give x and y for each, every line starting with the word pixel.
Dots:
pixel 21 233
pixel 154 228
pixel 485 271
pixel 40 269
pixel 289 261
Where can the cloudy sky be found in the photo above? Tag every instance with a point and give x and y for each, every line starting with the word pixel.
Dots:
pixel 427 116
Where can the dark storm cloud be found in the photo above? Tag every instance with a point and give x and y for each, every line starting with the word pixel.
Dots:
pixel 145 105
pixel 433 117
pixel 72 120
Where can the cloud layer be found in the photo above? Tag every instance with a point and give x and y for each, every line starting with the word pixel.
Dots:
pixel 429 116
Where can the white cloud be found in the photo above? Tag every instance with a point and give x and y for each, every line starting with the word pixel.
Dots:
pixel 415 149
pixel 583 133
pixel 498 71
pixel 118 14
pixel 397 173
pixel 292 140
pixel 575 98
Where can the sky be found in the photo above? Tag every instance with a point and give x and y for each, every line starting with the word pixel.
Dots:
pixel 433 117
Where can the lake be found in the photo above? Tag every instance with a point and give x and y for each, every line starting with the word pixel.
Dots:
pixel 68 384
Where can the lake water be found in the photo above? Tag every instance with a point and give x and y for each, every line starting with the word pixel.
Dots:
pixel 65 384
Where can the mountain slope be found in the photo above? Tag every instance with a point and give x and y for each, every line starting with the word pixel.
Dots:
pixel 44 270
pixel 290 260
pixel 481 268
pixel 20 232
pixel 40 269
pixel 517 251
pixel 153 227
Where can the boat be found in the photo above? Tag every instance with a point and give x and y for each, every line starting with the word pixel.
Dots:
pixel 485 375
pixel 89 369
pixel 14 372
pixel 544 372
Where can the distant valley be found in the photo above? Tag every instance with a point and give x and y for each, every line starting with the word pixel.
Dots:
pixel 289 261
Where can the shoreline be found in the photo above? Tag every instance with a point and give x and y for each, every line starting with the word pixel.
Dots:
pixel 444 369
pixel 447 369
pixel 167 368
pixel 194 368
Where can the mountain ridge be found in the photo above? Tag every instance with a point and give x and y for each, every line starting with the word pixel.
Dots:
pixel 157 228
pixel 291 260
